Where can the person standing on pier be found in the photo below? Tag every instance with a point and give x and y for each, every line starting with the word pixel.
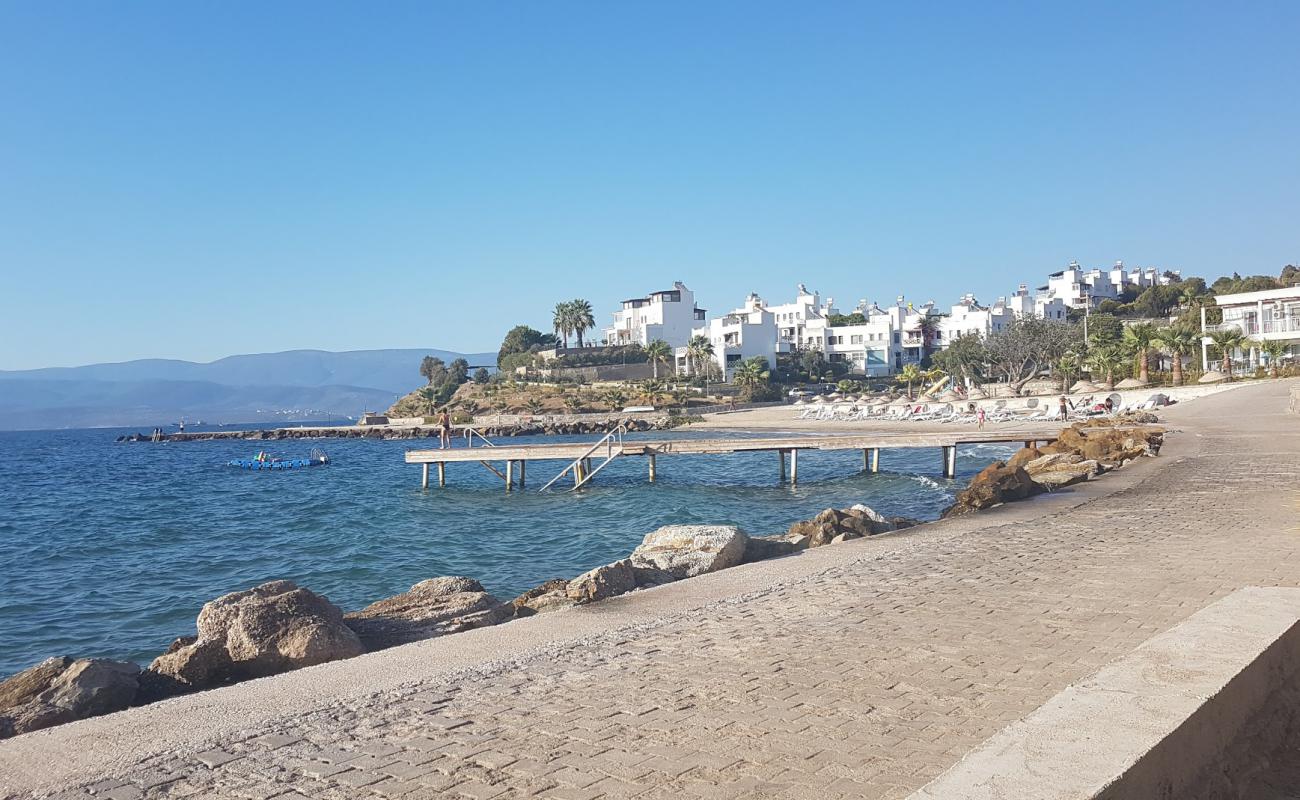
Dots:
pixel 444 429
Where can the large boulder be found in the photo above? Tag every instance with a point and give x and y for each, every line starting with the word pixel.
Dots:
pixel 996 483
pixel 430 608
pixel 602 582
pixel 272 628
pixel 684 551
pixel 1023 456
pixel 1099 440
pixel 842 524
pixel 549 596
pixel 759 548
pixel 1066 470
pixel 60 690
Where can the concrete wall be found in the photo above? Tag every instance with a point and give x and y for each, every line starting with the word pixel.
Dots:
pixel 1148 724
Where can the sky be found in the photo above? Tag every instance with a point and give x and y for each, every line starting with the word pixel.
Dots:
pixel 194 180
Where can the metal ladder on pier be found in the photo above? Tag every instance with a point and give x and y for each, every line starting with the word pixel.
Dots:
pixel 613 443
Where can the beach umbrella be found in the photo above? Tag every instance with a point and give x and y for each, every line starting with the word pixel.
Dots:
pixel 800 402
pixel 978 394
pixel 1130 383
pixel 1213 376
pixel 900 402
pixel 821 401
pixel 949 395
pixel 1084 387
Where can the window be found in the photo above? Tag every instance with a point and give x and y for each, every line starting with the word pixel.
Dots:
pixel 855 339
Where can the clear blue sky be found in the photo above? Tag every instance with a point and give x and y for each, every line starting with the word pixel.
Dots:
pixel 192 180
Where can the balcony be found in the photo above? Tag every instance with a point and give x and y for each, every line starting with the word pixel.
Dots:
pixel 1251 327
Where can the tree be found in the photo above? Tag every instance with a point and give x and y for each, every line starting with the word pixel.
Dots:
pixel 752 373
pixel 1067 366
pixel 1027 346
pixel 927 326
pixel 1290 276
pixel 1226 340
pixel 429 396
pixel 523 339
pixel 964 356
pixel 650 391
pixel 581 318
pixel 534 405
pixel 910 374
pixel 840 320
pixel 481 375
pixel 659 352
pixel 1178 341
pixel 563 322
pixel 1138 340
pixel 1106 360
pixel 1274 349
pixel 616 398
pixel 813 362
pixel 1104 329
pixel 431 368
pixel 458 371
pixel 699 350
pixel 573 402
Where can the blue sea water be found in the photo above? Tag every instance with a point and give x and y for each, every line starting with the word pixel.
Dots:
pixel 110 549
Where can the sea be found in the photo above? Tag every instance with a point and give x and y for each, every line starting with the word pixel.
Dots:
pixel 110 549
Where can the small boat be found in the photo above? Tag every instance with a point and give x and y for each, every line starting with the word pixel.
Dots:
pixel 316 459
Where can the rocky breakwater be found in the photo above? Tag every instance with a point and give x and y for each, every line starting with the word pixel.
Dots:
pixel 431 608
pixel 60 690
pixel 557 428
pixel 1080 452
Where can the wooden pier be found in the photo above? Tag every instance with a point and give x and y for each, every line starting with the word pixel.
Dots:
pixel 585 460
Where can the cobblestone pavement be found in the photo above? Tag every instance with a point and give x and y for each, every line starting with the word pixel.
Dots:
pixel 865 680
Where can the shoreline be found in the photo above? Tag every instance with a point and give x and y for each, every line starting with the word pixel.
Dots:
pixel 168 729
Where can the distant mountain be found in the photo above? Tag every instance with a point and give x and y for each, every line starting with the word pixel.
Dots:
pixel 270 388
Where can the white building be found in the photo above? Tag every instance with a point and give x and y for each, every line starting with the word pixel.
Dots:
pixel 669 315
pixel 1080 288
pixel 1273 314
pixel 742 334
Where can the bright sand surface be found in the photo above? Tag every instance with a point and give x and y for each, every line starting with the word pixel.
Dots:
pixel 786 418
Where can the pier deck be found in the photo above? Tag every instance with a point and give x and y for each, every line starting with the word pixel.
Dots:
pixel 581 454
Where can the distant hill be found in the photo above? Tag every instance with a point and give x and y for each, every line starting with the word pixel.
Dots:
pixel 269 388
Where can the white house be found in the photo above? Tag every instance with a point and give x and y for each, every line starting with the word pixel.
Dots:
pixel 1080 288
pixel 744 333
pixel 669 315
pixel 1273 314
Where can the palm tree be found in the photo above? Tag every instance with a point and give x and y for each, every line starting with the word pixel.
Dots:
pixel 1228 339
pixel 534 405
pixel 1068 365
pixel 910 374
pixel 1178 341
pixel 650 390
pixel 751 372
pixel 430 397
pixel 573 402
pixel 1138 339
pixel 698 350
pixel 926 327
pixel 1274 349
pixel 563 322
pixel 659 352
pixel 615 398
pixel 1106 360
pixel 581 319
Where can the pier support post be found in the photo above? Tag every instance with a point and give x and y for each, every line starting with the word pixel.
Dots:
pixel 950 461
pixel 577 474
pixel 873 463
pixel 521 472
pixel 651 458
pixel 780 456
pixel 794 466
pixel 424 475
pixel 442 474
pixel 510 475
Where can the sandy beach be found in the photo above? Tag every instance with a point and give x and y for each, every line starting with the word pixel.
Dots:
pixel 786 418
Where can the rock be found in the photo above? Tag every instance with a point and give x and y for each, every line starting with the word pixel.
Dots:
pixel 186 666
pixel 272 628
pixel 602 582
pixel 1023 456
pixel 649 577
pixel 550 596
pixel 1051 461
pixel 1065 473
pixel 430 608
pixel 759 548
pixel 60 690
pixel 685 551
pixel 852 523
pixel 843 537
pixel 1099 440
pixel 799 541
pixel 996 483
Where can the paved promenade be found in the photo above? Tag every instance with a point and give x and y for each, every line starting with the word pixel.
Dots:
pixel 857 670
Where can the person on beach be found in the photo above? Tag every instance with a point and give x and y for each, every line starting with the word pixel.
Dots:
pixel 979 418
pixel 1064 410
pixel 444 429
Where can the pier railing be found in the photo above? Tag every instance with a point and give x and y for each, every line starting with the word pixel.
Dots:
pixel 581 472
